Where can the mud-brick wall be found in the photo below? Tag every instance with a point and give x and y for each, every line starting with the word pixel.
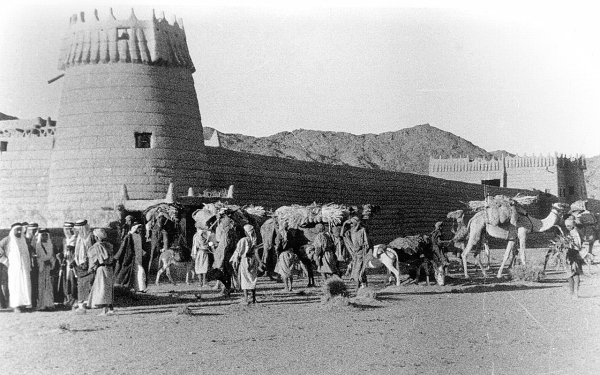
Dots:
pixel 103 107
pixel 543 178
pixel 24 179
pixel 411 203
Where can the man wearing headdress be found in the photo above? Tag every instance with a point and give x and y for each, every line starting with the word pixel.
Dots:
pixel 247 261
pixel 129 271
pixel 67 279
pixel 324 252
pixel 14 254
pixel 84 278
pixel 439 257
pixel 227 239
pixel 201 248
pixel 101 264
pixel 31 230
pixel 358 244
pixel 45 260
pixel 126 227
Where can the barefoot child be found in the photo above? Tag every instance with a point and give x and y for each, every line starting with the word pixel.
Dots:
pixel 284 267
pixel 574 259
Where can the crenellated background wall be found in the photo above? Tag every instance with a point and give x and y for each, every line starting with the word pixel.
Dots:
pixel 558 175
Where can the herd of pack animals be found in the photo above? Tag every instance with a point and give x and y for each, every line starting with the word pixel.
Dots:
pixel 498 217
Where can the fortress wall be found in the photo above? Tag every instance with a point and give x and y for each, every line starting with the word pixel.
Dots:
pixel 472 177
pixel 411 203
pixel 24 180
pixel 543 178
pixel 102 107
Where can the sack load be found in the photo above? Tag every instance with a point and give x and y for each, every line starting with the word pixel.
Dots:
pixel 580 205
pixel 409 244
pixel 501 209
pixel 584 218
pixel 254 215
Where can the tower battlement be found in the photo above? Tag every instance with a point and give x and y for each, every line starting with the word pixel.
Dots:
pixel 110 40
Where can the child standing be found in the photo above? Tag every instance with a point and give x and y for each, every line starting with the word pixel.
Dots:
pixel 574 259
pixel 284 267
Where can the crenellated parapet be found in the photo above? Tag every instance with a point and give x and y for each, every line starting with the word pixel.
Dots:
pixel 91 40
pixel 24 128
pixel 577 161
pixel 465 164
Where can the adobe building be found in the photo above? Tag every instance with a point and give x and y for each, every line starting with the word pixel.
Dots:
pixel 558 175
pixel 129 133
pixel 128 116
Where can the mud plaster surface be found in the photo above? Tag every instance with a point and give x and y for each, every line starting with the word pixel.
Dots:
pixel 478 327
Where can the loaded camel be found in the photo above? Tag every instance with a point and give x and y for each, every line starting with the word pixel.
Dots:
pixel 504 218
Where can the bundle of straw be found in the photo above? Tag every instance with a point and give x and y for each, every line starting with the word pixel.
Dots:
pixel 333 213
pixel 297 215
pixel 255 210
pixel 525 200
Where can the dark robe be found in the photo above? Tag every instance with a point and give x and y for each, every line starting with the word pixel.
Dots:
pixel 358 243
pixel 227 238
pixel 325 253
pixel 125 262
pixel 268 233
pixel 45 261
pixel 439 258
pixel 34 269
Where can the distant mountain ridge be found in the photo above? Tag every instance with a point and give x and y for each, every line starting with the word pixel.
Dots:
pixel 405 150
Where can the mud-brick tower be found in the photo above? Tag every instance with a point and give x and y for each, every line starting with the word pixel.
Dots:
pixel 128 116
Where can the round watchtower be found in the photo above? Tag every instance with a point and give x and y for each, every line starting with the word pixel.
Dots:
pixel 128 116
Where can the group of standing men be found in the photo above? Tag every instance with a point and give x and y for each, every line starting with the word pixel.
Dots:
pixel 26 263
pixel 82 275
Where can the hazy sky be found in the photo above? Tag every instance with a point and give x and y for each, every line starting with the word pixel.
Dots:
pixel 520 76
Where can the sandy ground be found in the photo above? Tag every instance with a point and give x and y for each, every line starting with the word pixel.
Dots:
pixel 481 326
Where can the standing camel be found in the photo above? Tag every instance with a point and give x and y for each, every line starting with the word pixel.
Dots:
pixel 508 231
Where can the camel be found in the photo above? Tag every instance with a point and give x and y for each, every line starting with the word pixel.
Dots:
pixel 458 242
pixel 510 231
pixel 412 252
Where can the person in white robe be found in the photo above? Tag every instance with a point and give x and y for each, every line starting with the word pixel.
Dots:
pixel 201 247
pixel 138 269
pixel 246 260
pixel 83 242
pixel 101 262
pixel 14 254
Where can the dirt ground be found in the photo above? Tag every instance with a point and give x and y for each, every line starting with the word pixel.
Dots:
pixel 481 326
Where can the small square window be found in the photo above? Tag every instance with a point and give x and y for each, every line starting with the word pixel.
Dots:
pixel 3 146
pixel 122 33
pixel 571 190
pixel 143 140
